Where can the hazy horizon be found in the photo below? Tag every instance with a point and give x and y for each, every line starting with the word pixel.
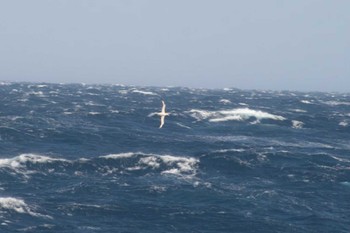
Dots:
pixel 169 86
pixel 269 45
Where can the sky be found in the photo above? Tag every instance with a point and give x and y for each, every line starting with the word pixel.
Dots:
pixel 299 45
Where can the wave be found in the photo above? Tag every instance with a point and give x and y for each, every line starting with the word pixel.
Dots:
pixel 144 92
pixel 299 110
pixel 118 156
pixel 94 113
pixel 343 123
pixel 306 102
pixel 225 101
pixel 19 206
pixel 176 165
pixel 229 150
pixel 239 114
pixel 28 165
pixel 183 126
pixel 21 160
pixel 336 103
pixel 297 124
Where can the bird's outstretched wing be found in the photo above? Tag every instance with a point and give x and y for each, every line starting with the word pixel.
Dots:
pixel 161 121
pixel 163 108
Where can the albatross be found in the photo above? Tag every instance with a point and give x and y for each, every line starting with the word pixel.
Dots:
pixel 162 115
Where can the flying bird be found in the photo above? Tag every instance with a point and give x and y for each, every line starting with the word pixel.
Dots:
pixel 162 115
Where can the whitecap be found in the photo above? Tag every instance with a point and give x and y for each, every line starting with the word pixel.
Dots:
pixel 19 206
pixel 144 92
pixel 297 124
pixel 306 102
pixel 339 159
pixel 183 164
pixel 238 114
pixel 336 103
pixel 19 163
pixel 157 188
pixel 150 161
pixel 91 103
pixel 14 118
pixel 299 110
pixel 176 165
pixel 41 85
pixel 229 150
pixel 37 93
pixel 183 126
pixel 225 101
pixel 93 94
pixel 118 85
pixel 94 113
pixel 22 159
pixel 345 183
pixel 344 123
pixel 123 92
pixel 118 156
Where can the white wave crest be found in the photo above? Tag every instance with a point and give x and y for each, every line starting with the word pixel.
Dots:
pixel 22 159
pixel 336 103
pixel 298 110
pixel 225 101
pixel 118 156
pixel 183 126
pixel 184 164
pixel 238 114
pixel 94 113
pixel 19 163
pixel 306 102
pixel 229 150
pixel 176 165
pixel 19 206
pixel 297 124
pixel 164 164
pixel 144 92
pixel 343 123
pixel 123 92
pixel 37 93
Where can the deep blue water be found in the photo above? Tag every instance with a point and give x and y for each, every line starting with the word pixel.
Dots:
pixel 91 158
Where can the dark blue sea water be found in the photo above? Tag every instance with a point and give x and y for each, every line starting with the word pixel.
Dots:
pixel 91 158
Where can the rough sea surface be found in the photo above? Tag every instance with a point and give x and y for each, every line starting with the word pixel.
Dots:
pixel 91 158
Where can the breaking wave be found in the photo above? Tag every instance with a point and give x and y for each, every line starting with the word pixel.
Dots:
pixel 19 206
pixel 239 114
pixel 31 164
pixel 144 92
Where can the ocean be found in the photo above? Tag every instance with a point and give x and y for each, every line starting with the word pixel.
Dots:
pixel 91 158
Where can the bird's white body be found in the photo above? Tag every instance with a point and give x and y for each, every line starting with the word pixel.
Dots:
pixel 162 115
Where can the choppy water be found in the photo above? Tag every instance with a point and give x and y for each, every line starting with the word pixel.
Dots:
pixel 91 158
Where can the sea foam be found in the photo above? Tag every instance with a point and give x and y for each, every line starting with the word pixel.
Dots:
pixel 22 159
pixel 118 156
pixel 168 164
pixel 19 206
pixel 143 92
pixel 297 124
pixel 239 114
